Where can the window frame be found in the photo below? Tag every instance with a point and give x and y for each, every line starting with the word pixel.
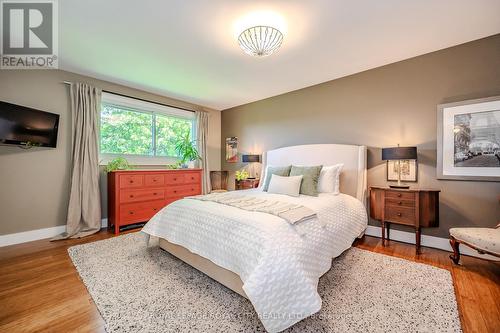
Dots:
pixel 141 106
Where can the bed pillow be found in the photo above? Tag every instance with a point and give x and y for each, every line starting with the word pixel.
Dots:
pixel 309 180
pixel 272 170
pixel 285 185
pixel 329 179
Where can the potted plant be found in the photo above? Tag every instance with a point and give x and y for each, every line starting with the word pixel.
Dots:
pixel 241 175
pixel 186 150
pixel 118 163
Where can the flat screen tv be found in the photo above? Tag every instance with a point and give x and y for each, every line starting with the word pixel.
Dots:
pixel 24 126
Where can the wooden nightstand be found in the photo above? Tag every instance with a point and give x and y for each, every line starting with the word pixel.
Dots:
pixel 411 207
pixel 246 184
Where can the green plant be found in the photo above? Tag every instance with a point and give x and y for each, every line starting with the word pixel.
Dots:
pixel 186 149
pixel 173 166
pixel 241 175
pixel 118 163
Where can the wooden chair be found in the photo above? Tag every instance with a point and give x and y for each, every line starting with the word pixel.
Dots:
pixel 483 240
pixel 218 181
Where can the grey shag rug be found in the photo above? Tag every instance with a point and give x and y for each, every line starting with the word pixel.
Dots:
pixel 145 289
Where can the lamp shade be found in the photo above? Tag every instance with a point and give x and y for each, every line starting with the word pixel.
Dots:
pixel 250 158
pixel 399 153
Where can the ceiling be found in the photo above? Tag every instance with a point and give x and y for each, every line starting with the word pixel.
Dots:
pixel 188 49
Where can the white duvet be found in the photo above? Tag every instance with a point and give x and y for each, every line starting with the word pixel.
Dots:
pixel 279 264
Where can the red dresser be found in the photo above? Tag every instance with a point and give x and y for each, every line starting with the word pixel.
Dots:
pixel 136 195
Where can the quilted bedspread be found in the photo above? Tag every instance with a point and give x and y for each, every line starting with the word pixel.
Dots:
pixel 280 264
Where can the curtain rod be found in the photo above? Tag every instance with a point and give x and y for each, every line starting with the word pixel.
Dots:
pixel 140 99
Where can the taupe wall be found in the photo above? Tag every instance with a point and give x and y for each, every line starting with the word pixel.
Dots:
pixel 381 108
pixel 34 184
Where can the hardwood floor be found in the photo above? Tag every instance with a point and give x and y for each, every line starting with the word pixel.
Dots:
pixel 40 290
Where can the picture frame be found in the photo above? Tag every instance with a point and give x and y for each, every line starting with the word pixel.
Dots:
pixel 409 170
pixel 468 140
pixel 232 149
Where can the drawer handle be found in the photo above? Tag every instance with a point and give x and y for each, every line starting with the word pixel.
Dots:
pixel 131 195
pixel 399 214
pixel 154 209
pixel 154 180
pixel 399 194
pixel 192 178
pixel 175 191
pixel 131 181
pixel 155 193
pixel 192 189
pixel 400 203
pixel 131 213
pixel 175 179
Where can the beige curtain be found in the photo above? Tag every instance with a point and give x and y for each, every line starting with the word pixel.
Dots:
pixel 202 145
pixel 84 210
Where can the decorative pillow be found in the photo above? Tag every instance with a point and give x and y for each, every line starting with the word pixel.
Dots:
pixel 285 185
pixel 329 179
pixel 310 180
pixel 280 171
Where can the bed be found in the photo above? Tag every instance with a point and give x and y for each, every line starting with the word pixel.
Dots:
pixel 261 257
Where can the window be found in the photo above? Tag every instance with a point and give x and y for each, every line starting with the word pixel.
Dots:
pixel 141 131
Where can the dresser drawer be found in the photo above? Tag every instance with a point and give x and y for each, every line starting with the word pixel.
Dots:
pixel 175 179
pixel 403 215
pixel 399 202
pixel 139 212
pixel 154 180
pixel 183 191
pixel 141 195
pixel 400 195
pixel 131 181
pixel 192 177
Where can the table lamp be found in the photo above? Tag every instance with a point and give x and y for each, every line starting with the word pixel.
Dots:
pixel 399 153
pixel 251 158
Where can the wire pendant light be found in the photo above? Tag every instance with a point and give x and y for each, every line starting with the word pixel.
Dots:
pixel 260 41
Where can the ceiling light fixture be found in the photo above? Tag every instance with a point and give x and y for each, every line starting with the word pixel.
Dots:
pixel 260 41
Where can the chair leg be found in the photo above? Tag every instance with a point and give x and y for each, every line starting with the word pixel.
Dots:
pixel 456 251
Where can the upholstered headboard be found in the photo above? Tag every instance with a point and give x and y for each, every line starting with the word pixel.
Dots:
pixel 353 176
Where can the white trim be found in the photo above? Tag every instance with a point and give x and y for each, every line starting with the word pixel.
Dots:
pixel 429 241
pixel 33 235
pixel 140 105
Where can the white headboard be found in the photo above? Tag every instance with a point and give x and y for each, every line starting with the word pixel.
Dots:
pixel 353 176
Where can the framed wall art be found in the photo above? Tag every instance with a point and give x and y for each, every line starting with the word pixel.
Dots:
pixel 232 149
pixel 468 140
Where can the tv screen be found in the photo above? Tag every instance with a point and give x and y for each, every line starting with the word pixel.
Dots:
pixel 20 125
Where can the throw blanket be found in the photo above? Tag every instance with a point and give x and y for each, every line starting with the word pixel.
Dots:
pixel 292 213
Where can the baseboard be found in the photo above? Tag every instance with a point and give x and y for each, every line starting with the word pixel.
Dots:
pixel 33 235
pixel 429 241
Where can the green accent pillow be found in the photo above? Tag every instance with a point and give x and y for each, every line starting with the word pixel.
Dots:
pixel 279 171
pixel 310 178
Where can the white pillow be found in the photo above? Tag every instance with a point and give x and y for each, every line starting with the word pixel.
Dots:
pixel 329 179
pixel 285 185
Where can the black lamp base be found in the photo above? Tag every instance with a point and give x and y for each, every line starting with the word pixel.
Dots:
pixel 400 186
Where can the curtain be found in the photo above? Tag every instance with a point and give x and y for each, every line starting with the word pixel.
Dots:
pixel 202 146
pixel 84 209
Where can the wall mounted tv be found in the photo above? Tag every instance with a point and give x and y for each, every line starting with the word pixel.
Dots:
pixel 24 126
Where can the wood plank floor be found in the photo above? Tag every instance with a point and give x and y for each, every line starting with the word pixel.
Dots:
pixel 40 290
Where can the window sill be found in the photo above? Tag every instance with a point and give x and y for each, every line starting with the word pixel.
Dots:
pixel 104 159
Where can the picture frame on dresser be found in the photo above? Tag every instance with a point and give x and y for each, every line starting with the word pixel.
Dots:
pixel 468 140
pixel 409 170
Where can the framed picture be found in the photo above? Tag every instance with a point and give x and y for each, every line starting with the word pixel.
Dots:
pixel 468 146
pixel 232 149
pixel 409 170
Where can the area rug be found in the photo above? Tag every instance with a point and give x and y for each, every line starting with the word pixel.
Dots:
pixel 139 288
